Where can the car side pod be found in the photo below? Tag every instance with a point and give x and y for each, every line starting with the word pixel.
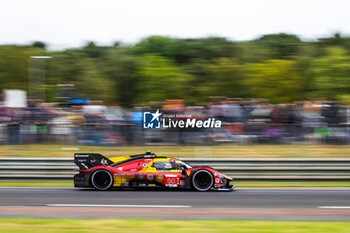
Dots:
pixel 230 188
pixel 79 180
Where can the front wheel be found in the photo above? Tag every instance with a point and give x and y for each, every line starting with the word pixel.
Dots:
pixel 102 180
pixel 202 180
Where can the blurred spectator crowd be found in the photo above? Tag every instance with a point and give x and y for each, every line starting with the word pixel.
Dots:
pixel 243 122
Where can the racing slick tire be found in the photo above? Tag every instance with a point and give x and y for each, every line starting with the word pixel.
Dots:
pixel 202 180
pixel 102 180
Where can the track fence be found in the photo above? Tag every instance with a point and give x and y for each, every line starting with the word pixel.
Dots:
pixel 257 170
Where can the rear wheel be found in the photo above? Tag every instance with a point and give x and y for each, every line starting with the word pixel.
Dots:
pixel 102 180
pixel 202 180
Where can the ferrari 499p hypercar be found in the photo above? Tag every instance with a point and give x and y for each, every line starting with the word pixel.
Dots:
pixel 145 170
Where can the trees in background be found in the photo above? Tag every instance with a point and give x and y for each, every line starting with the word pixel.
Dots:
pixel 276 80
pixel 331 74
pixel 280 67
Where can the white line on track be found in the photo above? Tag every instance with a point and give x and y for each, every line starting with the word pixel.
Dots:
pixel 120 206
pixel 334 207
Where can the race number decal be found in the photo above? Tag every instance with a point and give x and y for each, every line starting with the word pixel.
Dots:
pixel 172 180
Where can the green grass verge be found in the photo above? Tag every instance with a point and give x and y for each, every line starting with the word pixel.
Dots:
pixel 106 225
pixel 237 184
pixel 220 151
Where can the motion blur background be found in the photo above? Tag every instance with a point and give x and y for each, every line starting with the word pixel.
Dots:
pixel 279 87
pixel 273 89
pixel 75 76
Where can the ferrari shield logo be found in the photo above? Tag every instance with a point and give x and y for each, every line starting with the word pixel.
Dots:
pixel 188 173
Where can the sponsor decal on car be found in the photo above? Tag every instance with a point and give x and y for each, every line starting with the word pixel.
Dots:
pixel 160 179
pixel 188 173
pixel 150 177
pixel 104 161
pixel 81 156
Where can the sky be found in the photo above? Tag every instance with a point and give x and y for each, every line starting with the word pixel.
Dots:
pixel 71 23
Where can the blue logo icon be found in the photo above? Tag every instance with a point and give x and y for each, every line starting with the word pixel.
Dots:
pixel 151 120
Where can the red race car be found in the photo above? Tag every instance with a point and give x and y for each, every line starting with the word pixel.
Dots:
pixel 145 170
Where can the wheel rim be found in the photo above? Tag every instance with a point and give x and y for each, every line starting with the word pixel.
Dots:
pixel 102 180
pixel 202 180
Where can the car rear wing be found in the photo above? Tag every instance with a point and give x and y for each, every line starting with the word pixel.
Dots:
pixel 88 160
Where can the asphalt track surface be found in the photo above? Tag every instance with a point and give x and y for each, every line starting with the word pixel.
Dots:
pixel 290 204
